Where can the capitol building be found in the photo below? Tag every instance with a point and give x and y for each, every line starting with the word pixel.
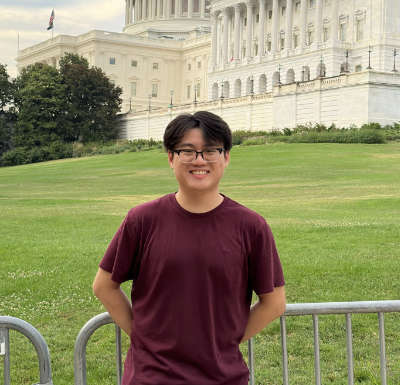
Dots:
pixel 260 64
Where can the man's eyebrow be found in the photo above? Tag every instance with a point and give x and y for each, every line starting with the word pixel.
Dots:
pixel 193 146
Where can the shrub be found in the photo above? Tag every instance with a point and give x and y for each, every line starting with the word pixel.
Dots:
pixel 14 157
pixel 254 141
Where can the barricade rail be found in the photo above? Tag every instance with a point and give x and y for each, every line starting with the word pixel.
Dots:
pixel 302 309
pixel 7 323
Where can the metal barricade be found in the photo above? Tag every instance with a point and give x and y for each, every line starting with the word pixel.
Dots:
pixel 7 323
pixel 302 309
pixel 346 308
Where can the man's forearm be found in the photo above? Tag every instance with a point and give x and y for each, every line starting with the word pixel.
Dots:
pixel 264 312
pixel 118 305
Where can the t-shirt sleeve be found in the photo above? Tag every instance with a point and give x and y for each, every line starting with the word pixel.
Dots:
pixel 265 266
pixel 121 257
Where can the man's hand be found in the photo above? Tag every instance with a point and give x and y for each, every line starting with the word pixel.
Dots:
pixel 269 307
pixel 114 300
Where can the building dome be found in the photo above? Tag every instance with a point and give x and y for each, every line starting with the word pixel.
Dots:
pixel 167 19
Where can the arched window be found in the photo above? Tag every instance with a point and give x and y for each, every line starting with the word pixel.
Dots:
pixel 290 76
pixel 305 74
pixel 226 91
pixel 215 91
pixel 275 79
pixel 238 88
pixel 262 84
pixel 249 86
pixel 321 70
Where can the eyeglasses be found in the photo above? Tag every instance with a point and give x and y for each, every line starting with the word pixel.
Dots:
pixel 188 156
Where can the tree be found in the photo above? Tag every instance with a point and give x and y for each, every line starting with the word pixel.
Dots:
pixel 39 99
pixel 7 111
pixel 92 101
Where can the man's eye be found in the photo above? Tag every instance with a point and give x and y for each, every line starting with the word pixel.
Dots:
pixel 187 151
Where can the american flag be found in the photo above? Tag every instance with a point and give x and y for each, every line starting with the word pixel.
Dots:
pixel 51 21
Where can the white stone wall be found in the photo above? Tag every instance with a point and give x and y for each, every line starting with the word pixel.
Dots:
pixel 351 99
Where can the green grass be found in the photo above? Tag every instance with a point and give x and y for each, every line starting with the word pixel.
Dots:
pixel 334 210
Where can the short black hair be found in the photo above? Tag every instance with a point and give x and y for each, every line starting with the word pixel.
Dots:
pixel 214 128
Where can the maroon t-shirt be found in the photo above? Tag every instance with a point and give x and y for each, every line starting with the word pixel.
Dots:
pixel 193 277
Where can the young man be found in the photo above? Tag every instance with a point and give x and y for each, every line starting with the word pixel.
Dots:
pixel 195 258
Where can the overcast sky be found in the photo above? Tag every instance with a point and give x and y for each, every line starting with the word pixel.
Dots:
pixel 30 18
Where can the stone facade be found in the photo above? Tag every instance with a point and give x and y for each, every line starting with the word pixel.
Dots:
pixel 263 64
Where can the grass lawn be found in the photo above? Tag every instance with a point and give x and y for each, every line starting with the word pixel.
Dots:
pixel 334 210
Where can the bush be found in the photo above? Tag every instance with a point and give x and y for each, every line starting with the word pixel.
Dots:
pixel 367 136
pixel 14 157
pixel 241 135
pixel 254 141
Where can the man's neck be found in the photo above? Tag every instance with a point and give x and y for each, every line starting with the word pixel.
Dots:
pixel 199 203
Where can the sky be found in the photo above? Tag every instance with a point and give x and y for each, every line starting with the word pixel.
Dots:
pixel 30 18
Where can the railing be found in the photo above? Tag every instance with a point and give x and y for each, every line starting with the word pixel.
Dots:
pixel 346 308
pixel 7 323
pixel 313 309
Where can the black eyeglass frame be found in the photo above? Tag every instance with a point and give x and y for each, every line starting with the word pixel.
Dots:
pixel 196 153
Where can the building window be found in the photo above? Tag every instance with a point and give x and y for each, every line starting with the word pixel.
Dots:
pixel 154 90
pixel 283 11
pixel 358 68
pixel 282 43
pixel 245 21
pixel 197 90
pixel 155 66
pixel 257 18
pixel 189 67
pixel 312 3
pixel 359 30
pixel 342 31
pixel 269 14
pixel 295 40
pixel 199 64
pixel 298 5
pixel 133 63
pixel 133 89
pixel 188 89
pixel 269 45
pixel 112 60
pixel 310 37
pixel 326 34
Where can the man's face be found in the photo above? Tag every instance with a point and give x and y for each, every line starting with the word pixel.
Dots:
pixel 198 175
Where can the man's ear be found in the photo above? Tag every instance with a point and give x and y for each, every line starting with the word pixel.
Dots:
pixel 170 158
pixel 227 157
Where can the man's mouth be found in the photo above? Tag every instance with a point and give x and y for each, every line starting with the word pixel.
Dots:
pixel 199 172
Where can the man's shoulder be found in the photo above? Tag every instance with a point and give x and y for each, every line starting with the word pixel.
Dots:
pixel 245 214
pixel 150 209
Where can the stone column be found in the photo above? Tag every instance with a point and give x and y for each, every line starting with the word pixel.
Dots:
pixel 190 8
pixel 153 9
pixel 167 9
pixel 261 25
pixel 249 38
pixel 303 23
pixel 214 27
pixel 131 13
pixel 178 8
pixel 127 3
pixel 275 26
pixel 225 16
pixel 335 21
pixel 144 9
pixel 237 33
pixel 289 24
pixel 319 22
pixel 202 5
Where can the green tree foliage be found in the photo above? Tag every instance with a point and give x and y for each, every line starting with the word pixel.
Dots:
pixel 7 112
pixel 39 100
pixel 91 101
